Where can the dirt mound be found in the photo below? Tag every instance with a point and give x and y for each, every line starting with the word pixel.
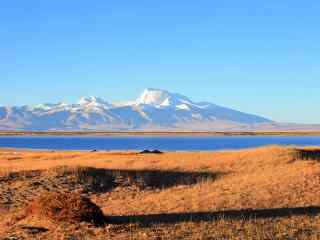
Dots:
pixel 66 207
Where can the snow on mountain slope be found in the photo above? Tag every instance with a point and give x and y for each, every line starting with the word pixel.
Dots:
pixel 153 109
pixel 94 103
pixel 160 98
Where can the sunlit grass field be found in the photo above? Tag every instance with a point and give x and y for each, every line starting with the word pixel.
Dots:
pixel 265 193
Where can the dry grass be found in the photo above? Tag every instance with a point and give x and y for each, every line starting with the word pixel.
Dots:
pixel 65 208
pixel 264 193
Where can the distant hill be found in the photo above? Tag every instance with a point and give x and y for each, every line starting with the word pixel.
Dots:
pixel 154 109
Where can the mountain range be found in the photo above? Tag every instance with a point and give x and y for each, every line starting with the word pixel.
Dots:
pixel 154 109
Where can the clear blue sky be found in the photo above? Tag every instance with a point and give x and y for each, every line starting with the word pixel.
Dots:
pixel 261 57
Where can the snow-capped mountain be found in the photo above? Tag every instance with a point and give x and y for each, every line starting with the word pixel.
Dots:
pixel 154 109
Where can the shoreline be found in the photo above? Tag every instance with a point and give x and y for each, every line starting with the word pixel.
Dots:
pixel 158 133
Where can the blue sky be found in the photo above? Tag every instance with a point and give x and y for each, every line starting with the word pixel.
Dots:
pixel 256 56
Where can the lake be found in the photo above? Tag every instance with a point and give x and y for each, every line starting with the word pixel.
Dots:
pixel 164 143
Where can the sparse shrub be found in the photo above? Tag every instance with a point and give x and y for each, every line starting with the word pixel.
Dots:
pixel 102 180
pixel 308 154
pixel 92 179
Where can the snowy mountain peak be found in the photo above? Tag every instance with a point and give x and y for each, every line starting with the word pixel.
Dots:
pixel 154 109
pixel 161 98
pixel 93 102
pixel 90 99
pixel 48 106
pixel 155 97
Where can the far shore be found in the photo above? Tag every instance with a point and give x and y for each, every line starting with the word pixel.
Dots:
pixel 158 133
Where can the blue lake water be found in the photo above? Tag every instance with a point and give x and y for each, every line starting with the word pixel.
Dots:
pixel 165 143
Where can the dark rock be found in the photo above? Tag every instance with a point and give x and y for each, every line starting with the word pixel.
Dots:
pixel 156 151
pixel 34 230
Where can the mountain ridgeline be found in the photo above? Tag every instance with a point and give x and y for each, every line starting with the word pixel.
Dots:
pixel 153 110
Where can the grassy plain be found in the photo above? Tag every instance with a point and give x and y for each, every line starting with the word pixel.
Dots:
pixel 264 193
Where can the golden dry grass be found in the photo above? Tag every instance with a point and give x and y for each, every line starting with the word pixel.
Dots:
pixel 264 193
pixel 65 207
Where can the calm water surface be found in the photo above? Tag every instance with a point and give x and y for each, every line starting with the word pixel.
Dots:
pixel 167 143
